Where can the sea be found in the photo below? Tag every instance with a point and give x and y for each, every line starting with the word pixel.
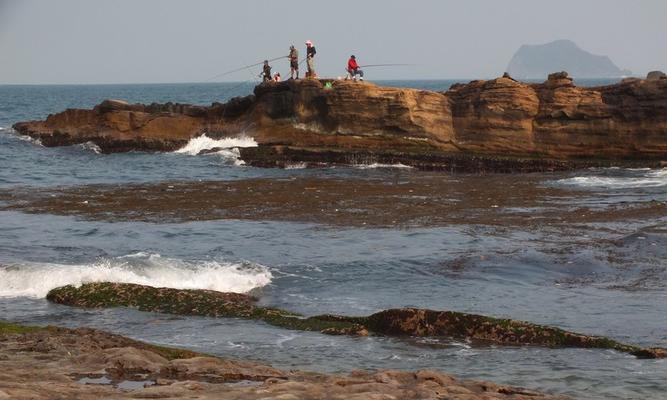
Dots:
pixel 606 277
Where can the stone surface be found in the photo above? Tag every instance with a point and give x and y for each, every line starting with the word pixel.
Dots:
pixel 393 322
pixel 534 126
pixel 656 75
pixel 55 363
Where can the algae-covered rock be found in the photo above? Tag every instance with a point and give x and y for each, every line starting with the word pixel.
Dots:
pixel 206 303
pixel 420 322
pixel 393 322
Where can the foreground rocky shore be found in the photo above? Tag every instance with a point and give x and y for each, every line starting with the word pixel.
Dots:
pixel 59 363
pixel 394 322
pixel 498 125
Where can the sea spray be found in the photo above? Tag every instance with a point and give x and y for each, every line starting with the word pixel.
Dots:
pixel 90 146
pixel 637 178
pixel 202 143
pixel 380 166
pixel 36 279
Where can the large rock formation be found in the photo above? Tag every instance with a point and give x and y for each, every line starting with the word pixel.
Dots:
pixel 537 61
pixel 394 322
pixel 500 124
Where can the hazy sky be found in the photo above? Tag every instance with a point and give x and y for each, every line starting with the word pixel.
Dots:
pixel 127 41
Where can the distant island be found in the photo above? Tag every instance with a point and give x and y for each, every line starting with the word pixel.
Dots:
pixel 538 61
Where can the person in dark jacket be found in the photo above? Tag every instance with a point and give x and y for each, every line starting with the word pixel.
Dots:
pixel 293 61
pixel 310 62
pixel 266 72
pixel 353 69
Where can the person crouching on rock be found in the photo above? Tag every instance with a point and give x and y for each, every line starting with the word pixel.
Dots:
pixel 310 55
pixel 293 61
pixel 276 77
pixel 266 72
pixel 353 69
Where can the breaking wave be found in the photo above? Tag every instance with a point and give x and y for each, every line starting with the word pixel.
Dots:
pixel 635 179
pixel 36 279
pixel 380 165
pixel 201 143
pixel 90 146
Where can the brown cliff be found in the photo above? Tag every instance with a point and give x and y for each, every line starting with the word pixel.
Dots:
pixel 500 123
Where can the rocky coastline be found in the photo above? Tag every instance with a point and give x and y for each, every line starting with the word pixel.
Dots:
pixel 45 363
pixel 498 125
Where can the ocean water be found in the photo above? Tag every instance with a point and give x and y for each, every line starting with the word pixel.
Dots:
pixel 606 277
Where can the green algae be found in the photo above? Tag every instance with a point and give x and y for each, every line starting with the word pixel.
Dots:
pixel 8 328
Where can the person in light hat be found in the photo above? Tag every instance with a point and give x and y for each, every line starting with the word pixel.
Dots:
pixel 310 55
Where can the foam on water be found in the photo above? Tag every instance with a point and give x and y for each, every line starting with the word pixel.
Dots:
pixel 640 178
pixel 91 147
pixel 203 142
pixel 298 165
pixel 36 279
pixel 380 165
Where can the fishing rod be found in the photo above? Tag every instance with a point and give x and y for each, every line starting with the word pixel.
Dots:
pixel 242 68
pixel 386 65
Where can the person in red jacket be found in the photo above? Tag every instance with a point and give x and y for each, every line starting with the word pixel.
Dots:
pixel 353 69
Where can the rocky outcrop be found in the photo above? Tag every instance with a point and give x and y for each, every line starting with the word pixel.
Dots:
pixel 500 124
pixel 394 322
pixel 206 303
pixel 59 363
pixel 656 75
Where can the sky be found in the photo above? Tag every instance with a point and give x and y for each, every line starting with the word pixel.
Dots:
pixel 164 41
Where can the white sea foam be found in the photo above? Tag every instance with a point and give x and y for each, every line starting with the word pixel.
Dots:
pixel 380 165
pixel 650 178
pixel 36 279
pixel 92 147
pixel 298 165
pixel 203 142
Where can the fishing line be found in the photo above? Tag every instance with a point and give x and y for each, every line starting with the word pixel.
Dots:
pixel 241 69
pixel 387 65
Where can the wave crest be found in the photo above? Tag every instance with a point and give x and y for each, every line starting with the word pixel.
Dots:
pixel 37 279
pixel 640 179
pixel 202 143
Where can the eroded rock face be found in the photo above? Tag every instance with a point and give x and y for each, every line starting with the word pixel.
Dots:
pixel 393 322
pixel 487 119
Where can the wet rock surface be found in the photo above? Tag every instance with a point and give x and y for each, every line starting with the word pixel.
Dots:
pixel 405 200
pixel 395 322
pixel 59 363
pixel 498 125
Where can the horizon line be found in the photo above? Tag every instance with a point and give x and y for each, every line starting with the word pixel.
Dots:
pixel 259 82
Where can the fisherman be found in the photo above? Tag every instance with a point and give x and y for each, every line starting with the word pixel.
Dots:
pixel 276 77
pixel 310 54
pixel 293 61
pixel 353 69
pixel 266 72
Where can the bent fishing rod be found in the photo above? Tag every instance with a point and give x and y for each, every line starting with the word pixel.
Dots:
pixel 242 68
